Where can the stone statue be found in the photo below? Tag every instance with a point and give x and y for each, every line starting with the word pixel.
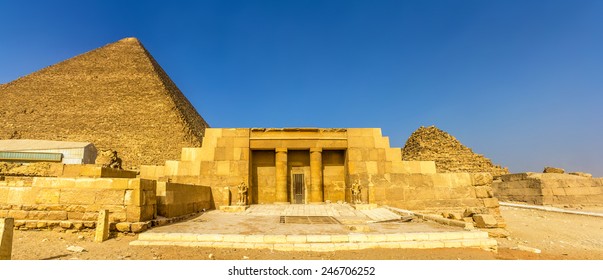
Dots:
pixel 356 190
pixel 242 191
pixel 109 159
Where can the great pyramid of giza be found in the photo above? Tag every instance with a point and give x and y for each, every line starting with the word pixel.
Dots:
pixel 449 154
pixel 116 96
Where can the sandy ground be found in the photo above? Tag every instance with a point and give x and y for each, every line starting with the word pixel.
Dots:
pixel 558 236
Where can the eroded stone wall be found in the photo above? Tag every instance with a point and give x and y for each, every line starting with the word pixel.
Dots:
pixel 175 199
pixel 78 199
pixel 550 189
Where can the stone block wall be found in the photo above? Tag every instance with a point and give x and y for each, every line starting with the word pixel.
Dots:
pixel 48 169
pixel 78 199
pixel 175 199
pixel 436 193
pixel 549 189
pixel 95 171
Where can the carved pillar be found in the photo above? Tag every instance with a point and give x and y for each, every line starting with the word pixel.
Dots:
pixel 281 175
pixel 316 189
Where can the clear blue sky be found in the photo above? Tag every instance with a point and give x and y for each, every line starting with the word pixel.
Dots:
pixel 518 81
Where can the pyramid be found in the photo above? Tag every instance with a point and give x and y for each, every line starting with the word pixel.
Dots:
pixel 116 97
pixel 449 154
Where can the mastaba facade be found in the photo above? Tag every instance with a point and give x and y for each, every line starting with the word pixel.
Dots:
pixel 317 165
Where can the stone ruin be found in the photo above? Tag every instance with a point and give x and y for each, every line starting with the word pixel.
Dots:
pixel 551 187
pixel 450 155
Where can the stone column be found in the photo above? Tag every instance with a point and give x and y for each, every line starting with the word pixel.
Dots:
pixel 316 189
pixel 6 238
pixel 281 175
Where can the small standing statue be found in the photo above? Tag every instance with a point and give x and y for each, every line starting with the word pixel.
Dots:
pixel 356 189
pixel 242 191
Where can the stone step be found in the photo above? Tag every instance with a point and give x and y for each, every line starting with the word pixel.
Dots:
pixel 317 238
pixel 482 243
pixel 456 239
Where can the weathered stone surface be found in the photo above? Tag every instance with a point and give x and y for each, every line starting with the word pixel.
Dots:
pixel 497 232
pixel 582 174
pixel 102 226
pixel 138 227
pixel 6 238
pixel 485 221
pixel 76 249
pixel 455 216
pixel 136 105
pixel 469 212
pixel 550 189
pixel 431 143
pixel 549 169
pixel 123 227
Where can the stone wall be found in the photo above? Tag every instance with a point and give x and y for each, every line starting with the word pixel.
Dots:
pixel 434 144
pixel 549 189
pixel 175 200
pixel 78 199
pixel 116 97
pixel 48 169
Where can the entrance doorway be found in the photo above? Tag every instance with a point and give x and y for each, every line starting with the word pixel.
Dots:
pixel 298 188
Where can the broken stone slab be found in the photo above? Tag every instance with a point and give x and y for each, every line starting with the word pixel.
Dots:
pixel 497 232
pixel 76 249
pixel 581 174
pixel 469 212
pixel 527 249
pixel 455 216
pixel 550 169
pixel 485 221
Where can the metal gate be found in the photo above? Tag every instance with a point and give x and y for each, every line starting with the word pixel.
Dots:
pixel 298 188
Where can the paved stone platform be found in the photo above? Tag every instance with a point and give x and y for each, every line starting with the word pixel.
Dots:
pixel 259 227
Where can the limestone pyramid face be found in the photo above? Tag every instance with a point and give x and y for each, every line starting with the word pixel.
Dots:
pixel 449 154
pixel 116 97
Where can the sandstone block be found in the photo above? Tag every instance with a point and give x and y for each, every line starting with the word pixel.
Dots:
pixel 490 202
pixel 471 211
pixel 138 227
pixel 480 179
pixel 550 169
pixel 31 224
pixel 485 221
pixel 455 216
pixel 482 192
pixel 582 174
pixel 66 224
pixel 57 215
pixel 123 227
pixel 102 228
